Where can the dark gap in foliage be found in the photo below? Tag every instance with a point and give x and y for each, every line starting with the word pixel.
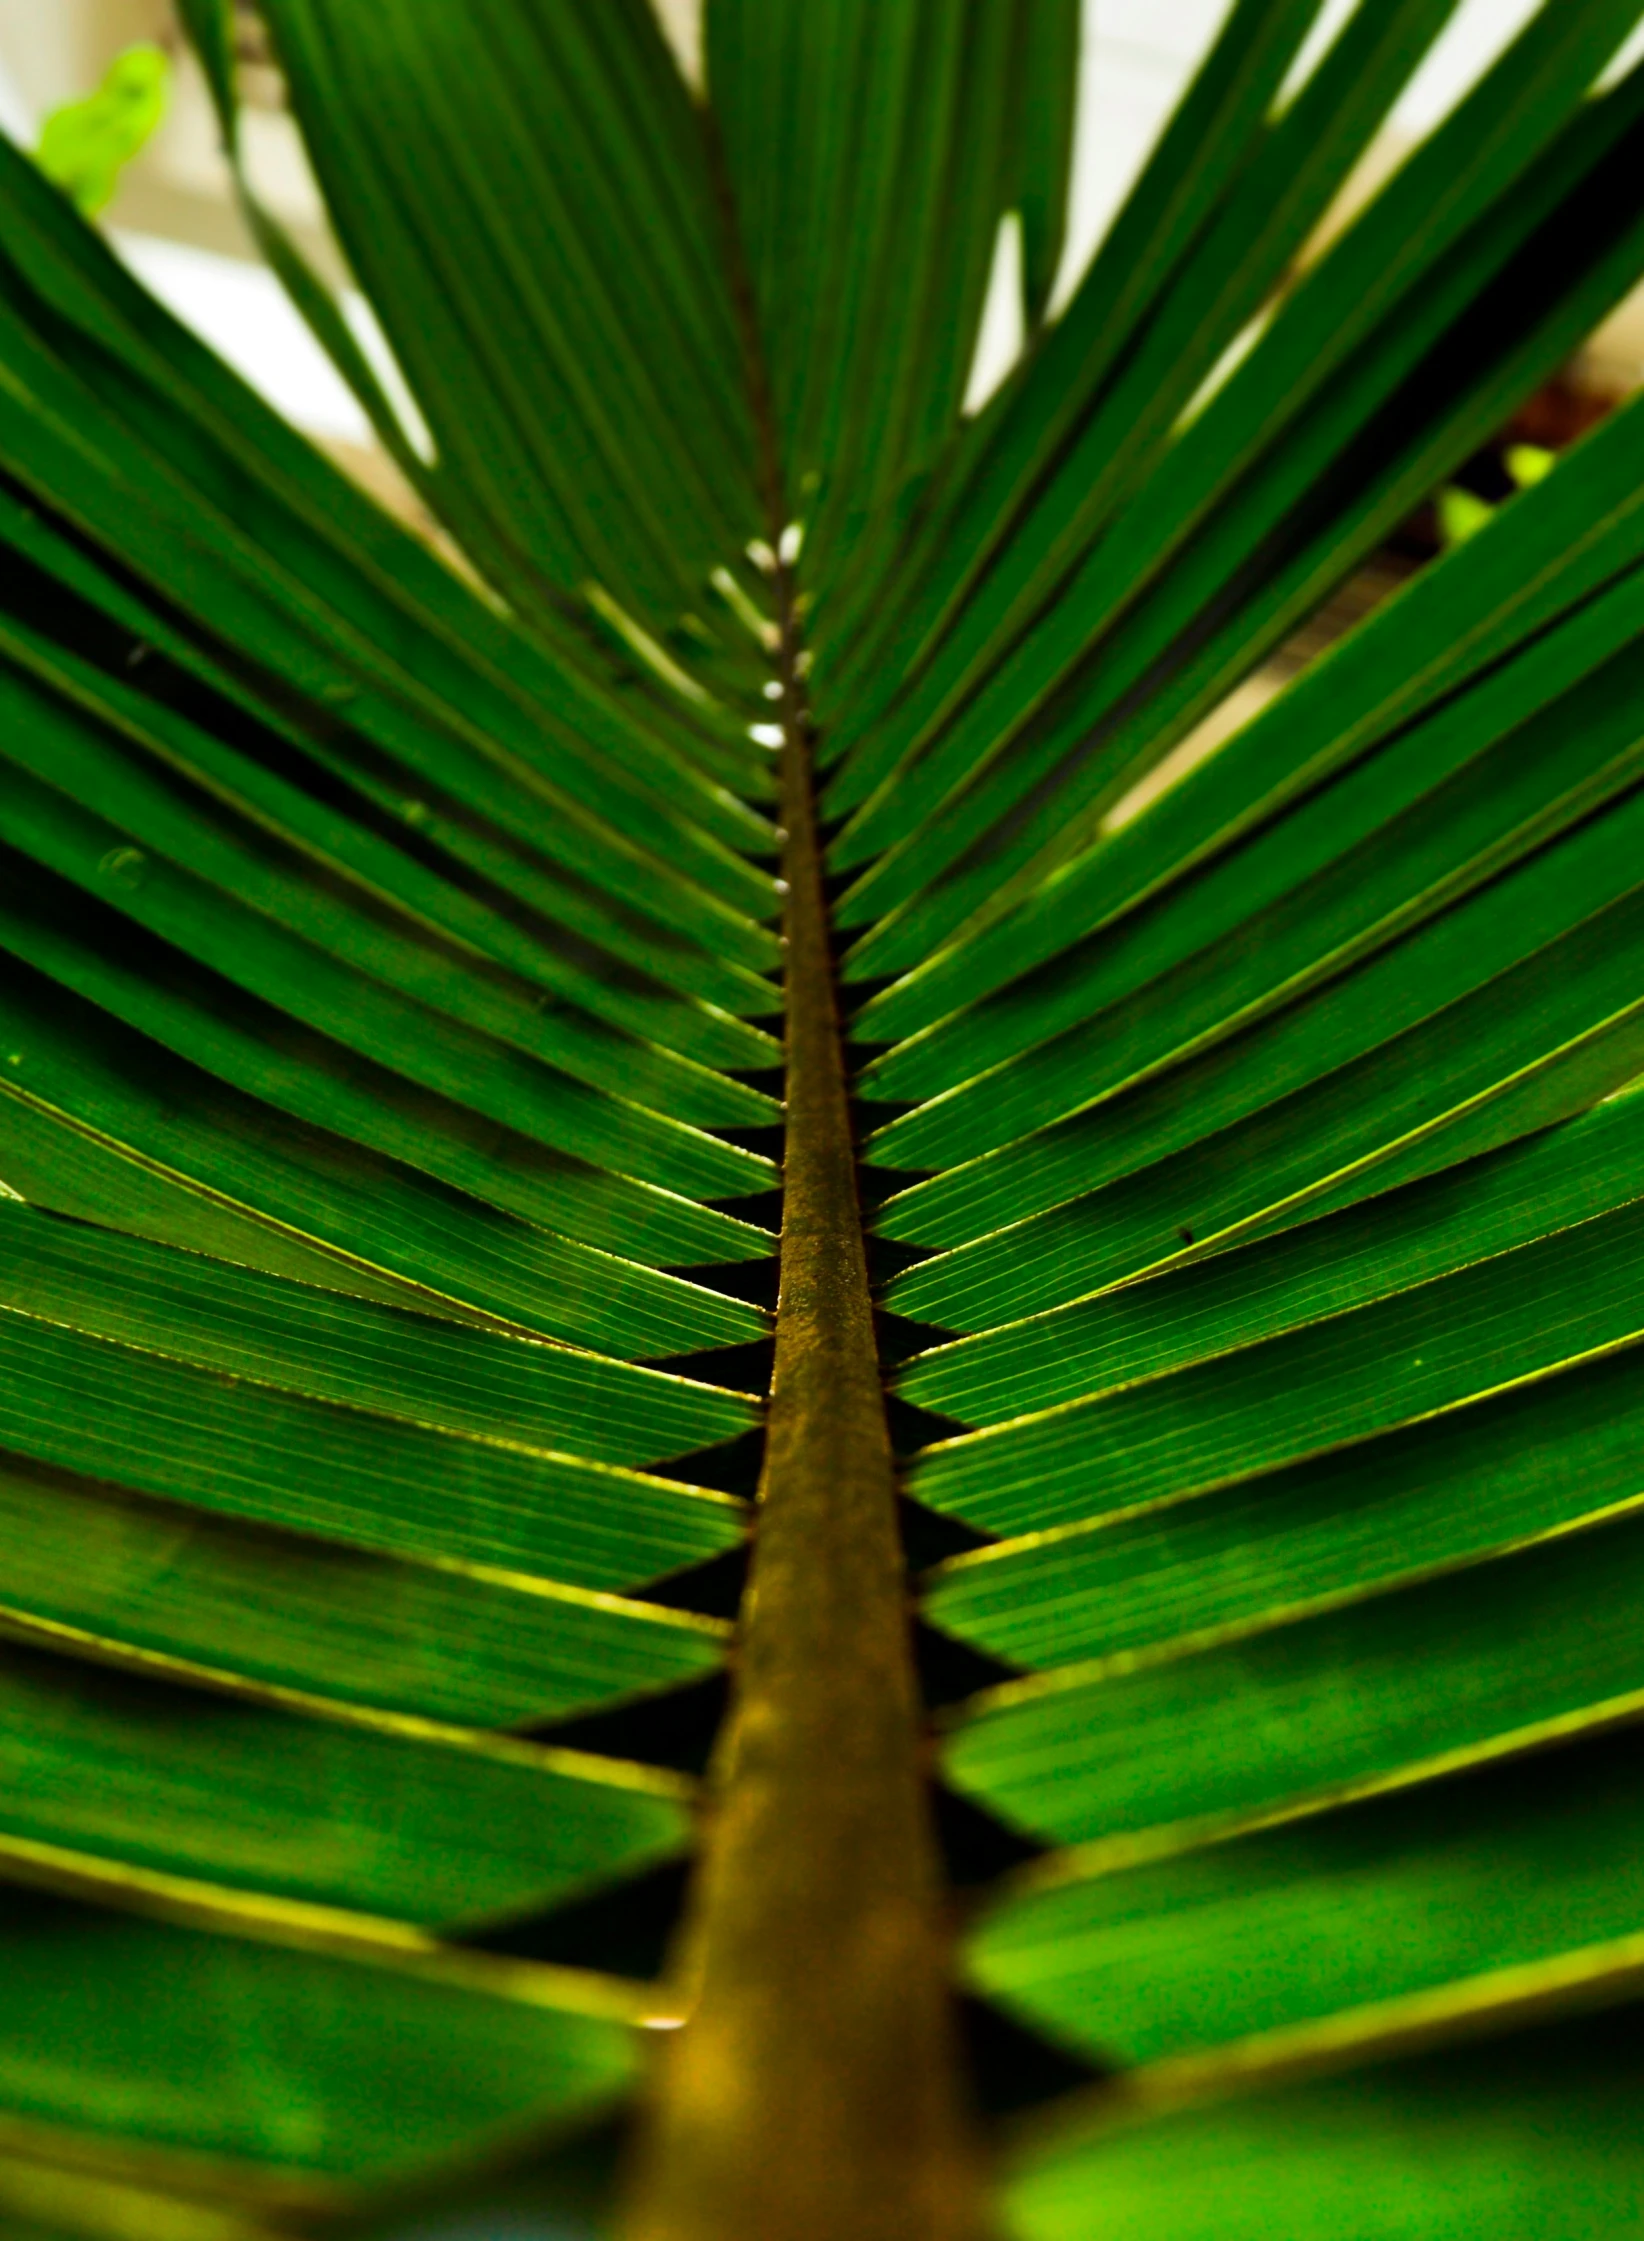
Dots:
pixel 913 1427
pixel 565 2191
pixel 1012 2066
pixel 860 994
pixel 762 1208
pixel 37 600
pixel 829 827
pixel 888 1257
pixel 878 1112
pixel 621 1930
pixel 763 1136
pixel 875 1184
pixel 900 1336
pixel 835 884
pixel 675 1728
pixel 976 1846
pixel 771 1081
pixel 871 1113
pixel 753 1281
pixel 745 1368
pixel 729 1467
pixel 1485 475
pixel 1557 415
pixel 714 1588
pixel 950 1670
pixel 928 1537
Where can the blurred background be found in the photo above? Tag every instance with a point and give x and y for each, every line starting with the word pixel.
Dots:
pixel 174 219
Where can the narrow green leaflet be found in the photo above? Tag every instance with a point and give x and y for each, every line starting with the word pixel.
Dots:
pixel 1208 1308
pixel 108 1773
pixel 311 776
pixel 307 977
pixel 160 1586
pixel 1394 838
pixel 123 492
pixel 1568 538
pixel 1295 1705
pixel 361 2072
pixel 113 1099
pixel 1344 1378
pixel 1342 480
pixel 371 1481
pixel 1291 1120
pixel 157 988
pixel 334 1348
pixel 318 873
pixel 1203 147
pixel 1304 156
pixel 653 344
pixel 1520 1464
pixel 166 1587
pixel 894 147
pixel 1047 83
pixel 1528 2140
pixel 1371 1902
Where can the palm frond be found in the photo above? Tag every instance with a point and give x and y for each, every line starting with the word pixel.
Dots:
pixel 396 959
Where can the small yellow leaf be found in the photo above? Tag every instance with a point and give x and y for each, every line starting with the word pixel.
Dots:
pixel 86 144
pixel 1461 515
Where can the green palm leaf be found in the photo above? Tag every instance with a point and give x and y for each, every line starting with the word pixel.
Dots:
pixel 395 968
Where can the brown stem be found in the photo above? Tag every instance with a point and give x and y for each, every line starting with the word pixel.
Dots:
pixel 814 2094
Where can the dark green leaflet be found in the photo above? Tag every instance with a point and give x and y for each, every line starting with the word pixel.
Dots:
pixel 1303 1391
pixel 367 562
pixel 1373 1901
pixel 157 1585
pixel 1393 838
pixel 1544 81
pixel 128 1579
pixel 1006 447
pixel 412 840
pixel 1532 2138
pixel 1046 78
pixel 335 1348
pixel 887 166
pixel 1449 626
pixel 1307 1122
pixel 195 1012
pixel 1095 1586
pixel 48 1159
pixel 1489 140
pixel 1527 1189
pixel 360 897
pixel 636 515
pixel 1306 512
pixel 140 1774
pixel 1300 1706
pixel 360 2071
pixel 191 549
pixel 372 1481
pixel 320 968
pixel 139 1102
pixel 1268 213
